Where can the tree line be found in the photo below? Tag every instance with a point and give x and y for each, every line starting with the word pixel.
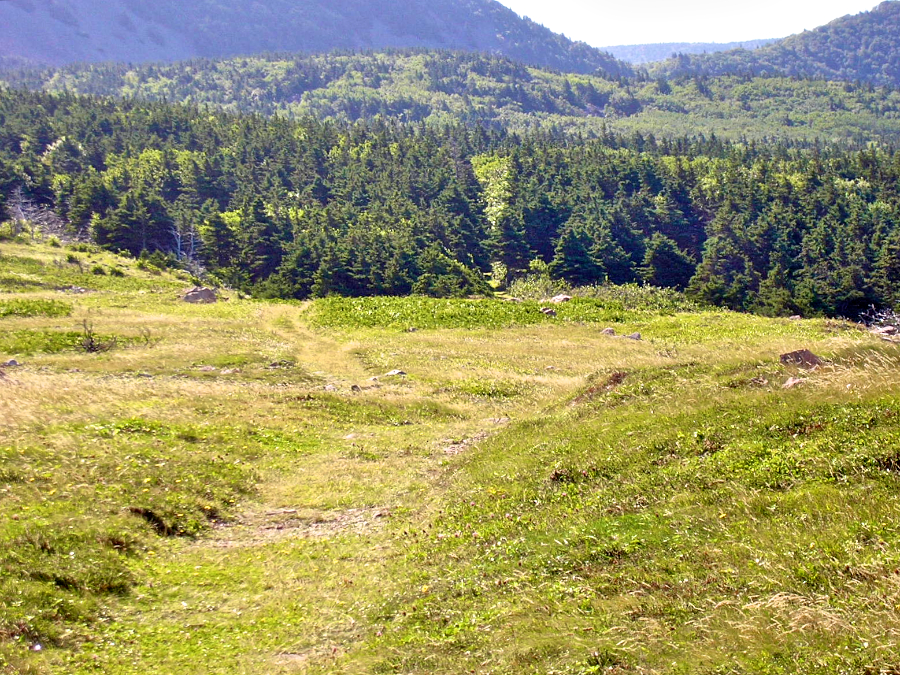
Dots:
pixel 307 208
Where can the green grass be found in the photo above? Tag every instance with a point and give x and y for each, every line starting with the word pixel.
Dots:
pixel 31 308
pixel 240 488
pixel 421 313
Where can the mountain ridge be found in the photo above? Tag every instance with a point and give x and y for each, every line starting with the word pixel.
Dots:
pixel 67 31
pixel 642 54
pixel 864 47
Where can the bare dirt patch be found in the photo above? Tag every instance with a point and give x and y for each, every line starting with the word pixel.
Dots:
pixel 272 527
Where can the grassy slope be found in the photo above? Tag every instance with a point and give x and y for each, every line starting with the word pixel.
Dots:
pixel 510 506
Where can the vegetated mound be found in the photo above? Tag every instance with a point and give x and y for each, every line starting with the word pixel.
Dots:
pixel 67 31
pixel 864 47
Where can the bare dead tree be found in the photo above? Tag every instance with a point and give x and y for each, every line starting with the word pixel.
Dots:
pixel 38 220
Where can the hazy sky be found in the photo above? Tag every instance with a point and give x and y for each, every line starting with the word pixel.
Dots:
pixel 605 23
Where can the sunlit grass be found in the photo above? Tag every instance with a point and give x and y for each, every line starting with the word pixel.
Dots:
pixel 243 488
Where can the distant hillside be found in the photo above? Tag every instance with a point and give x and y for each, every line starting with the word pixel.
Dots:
pixel 439 86
pixel 68 31
pixel 864 47
pixel 650 53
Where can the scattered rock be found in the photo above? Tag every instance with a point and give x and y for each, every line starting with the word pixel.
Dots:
pixel 803 358
pixel 330 387
pixel 759 382
pixel 515 300
pixel 412 330
pixel 549 311
pixel 200 296
pixel 12 363
pixel 633 336
pixel 356 388
pixel 147 376
pixel 458 447
pixel 792 383
pixel 231 371
pixel 885 330
pixel 559 299
pixel 796 317
pixel 395 373
pixel 373 379
pixel 76 290
pixel 608 331
pixel 550 368
pixel 207 369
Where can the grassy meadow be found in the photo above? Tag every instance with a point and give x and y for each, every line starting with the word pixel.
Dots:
pixel 242 487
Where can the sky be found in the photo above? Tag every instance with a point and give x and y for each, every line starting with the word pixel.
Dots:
pixel 607 23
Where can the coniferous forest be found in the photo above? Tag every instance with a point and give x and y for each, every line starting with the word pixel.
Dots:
pixel 305 208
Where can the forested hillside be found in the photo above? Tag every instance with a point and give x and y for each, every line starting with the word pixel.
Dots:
pixel 309 208
pixel 864 48
pixel 67 31
pixel 453 87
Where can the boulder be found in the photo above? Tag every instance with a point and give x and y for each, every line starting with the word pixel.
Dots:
pixel 802 358
pixel 200 296
pixel 559 299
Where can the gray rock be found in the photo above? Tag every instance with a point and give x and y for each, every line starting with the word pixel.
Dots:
pixel 634 336
pixel 608 331
pixel 885 330
pixel 802 358
pixel 200 296
pixel 395 373
pixel 559 299
pixel 356 388
pixel 796 317
pixel 330 387
pixel 549 311
pixel 12 363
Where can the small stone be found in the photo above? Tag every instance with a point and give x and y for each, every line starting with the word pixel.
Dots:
pixel 515 300
pixel 796 317
pixel 330 387
pixel 634 336
pixel 395 373
pixel 231 371
pixel 356 388
pixel 145 375
pixel 373 379
pixel 207 369
pixel 608 331
pixel 12 363
pixel 559 299
pixel 550 368
pixel 792 383
pixel 549 311
pixel 885 330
